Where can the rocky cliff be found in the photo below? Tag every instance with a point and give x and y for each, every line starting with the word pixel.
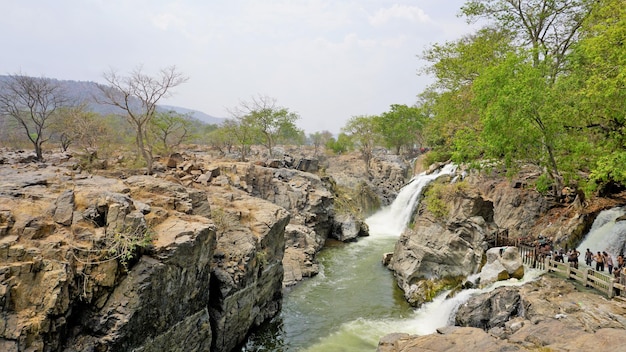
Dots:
pixel 456 222
pixel 112 263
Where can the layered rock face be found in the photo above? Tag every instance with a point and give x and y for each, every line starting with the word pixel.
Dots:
pixel 108 264
pixel 437 254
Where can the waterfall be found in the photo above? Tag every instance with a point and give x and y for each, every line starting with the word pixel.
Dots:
pixel 355 301
pixel 392 220
pixel 606 234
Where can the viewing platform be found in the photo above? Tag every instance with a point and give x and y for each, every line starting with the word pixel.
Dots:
pixel 607 284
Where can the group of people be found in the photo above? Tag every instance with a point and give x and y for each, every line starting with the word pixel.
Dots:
pixel 604 259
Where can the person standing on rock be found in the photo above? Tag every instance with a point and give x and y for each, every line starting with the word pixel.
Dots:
pixel 588 257
pixel 599 261
pixel 609 262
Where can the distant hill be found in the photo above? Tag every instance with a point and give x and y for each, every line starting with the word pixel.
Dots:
pixel 198 115
pixel 85 91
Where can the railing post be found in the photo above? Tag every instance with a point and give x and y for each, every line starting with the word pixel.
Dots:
pixel 585 277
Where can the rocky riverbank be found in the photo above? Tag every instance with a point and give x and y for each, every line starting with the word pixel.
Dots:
pixel 188 259
pixel 549 314
pixel 119 262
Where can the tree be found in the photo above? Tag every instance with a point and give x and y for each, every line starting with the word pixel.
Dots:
pixel 453 126
pixel 268 118
pixel 400 126
pixel 245 132
pixel 342 144
pixel 319 139
pixel 516 103
pixel 547 27
pixel 170 129
pixel 32 102
pixel 137 96
pixel 594 97
pixel 362 132
pixel 223 138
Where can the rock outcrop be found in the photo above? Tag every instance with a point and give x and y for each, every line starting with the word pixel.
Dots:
pixel 436 253
pixel 547 314
pixel 503 263
pixel 138 263
pixel 445 246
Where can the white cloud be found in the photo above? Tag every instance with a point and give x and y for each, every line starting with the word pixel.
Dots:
pixel 410 13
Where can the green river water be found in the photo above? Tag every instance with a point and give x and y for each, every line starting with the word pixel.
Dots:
pixel 355 301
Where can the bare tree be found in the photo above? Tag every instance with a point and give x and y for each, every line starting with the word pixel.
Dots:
pixel 32 102
pixel 137 95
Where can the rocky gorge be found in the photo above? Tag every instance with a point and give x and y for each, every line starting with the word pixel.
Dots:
pixel 196 256
pixel 188 259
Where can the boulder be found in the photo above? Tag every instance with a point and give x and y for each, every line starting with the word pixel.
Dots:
pixel 503 263
pixel 348 227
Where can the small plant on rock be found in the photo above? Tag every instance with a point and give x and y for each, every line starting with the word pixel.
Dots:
pixel 123 245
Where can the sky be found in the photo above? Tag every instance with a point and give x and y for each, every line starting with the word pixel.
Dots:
pixel 326 60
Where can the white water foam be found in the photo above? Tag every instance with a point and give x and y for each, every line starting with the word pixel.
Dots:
pixel 364 334
pixel 392 220
pixel 606 234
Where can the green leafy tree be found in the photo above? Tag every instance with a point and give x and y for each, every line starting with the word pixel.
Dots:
pixel 548 28
pixel 137 95
pixel 223 138
pixel 453 126
pixel 342 144
pixel 401 126
pixel 364 136
pixel 595 94
pixel 170 129
pixel 32 102
pixel 272 121
pixel 515 101
pixel 244 130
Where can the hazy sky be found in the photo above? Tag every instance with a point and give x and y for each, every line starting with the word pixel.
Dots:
pixel 327 60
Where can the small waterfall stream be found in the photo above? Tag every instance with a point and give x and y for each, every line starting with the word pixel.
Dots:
pixel 606 234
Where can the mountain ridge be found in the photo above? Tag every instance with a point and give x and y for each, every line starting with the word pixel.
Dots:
pixel 88 91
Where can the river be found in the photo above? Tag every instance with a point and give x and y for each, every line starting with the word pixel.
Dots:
pixel 354 301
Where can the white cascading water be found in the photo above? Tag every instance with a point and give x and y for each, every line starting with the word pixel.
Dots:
pixel 392 220
pixel 606 234
pixel 364 333
pixel 354 301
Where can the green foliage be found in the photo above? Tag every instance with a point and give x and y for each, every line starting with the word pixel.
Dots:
pixel 437 156
pixel 543 184
pixel 435 202
pixel 342 144
pixel 170 129
pixel 364 135
pixel 124 244
pixel 263 119
pixel 438 196
pixel 401 126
